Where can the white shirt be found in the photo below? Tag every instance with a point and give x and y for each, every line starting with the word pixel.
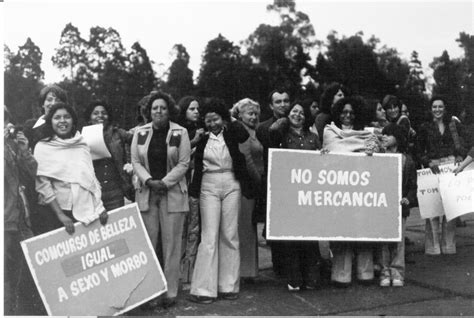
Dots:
pixel 216 154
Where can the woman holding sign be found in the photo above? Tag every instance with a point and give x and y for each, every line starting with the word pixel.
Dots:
pixel 301 259
pixel 112 172
pixel 160 158
pixel 346 134
pixel 440 141
pixel 65 181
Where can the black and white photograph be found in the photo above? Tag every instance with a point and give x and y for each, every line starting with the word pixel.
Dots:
pixel 238 158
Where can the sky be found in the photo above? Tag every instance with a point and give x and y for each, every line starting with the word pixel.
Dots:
pixel 429 27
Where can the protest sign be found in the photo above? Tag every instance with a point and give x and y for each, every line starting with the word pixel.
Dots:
pixel 99 270
pixel 457 193
pixel 95 140
pixel 429 199
pixel 333 196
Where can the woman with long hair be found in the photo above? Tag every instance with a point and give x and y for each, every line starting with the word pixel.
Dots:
pixel 441 140
pixel 329 98
pixel 66 181
pixel 190 119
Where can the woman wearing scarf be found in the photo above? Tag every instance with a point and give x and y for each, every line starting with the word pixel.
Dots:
pixel 65 181
pixel 346 134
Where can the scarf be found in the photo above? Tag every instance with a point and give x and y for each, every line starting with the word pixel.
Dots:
pixel 338 140
pixel 69 160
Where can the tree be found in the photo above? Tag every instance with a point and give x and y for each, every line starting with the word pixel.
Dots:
pixel 282 50
pixel 448 78
pixel 466 42
pixel 72 53
pixel 223 71
pixel 180 76
pixel 22 75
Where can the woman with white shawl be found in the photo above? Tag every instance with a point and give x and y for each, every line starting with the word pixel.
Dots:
pixel 65 180
pixel 346 134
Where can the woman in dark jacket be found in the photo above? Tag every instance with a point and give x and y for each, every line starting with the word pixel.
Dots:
pixel 220 177
pixel 301 258
pixel 440 141
pixel 114 180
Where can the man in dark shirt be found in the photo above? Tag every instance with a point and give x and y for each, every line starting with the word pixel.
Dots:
pixel 279 102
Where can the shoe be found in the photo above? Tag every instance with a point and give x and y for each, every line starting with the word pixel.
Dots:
pixel 397 283
pixel 229 296
pixel 152 304
pixel 168 302
pixel 385 282
pixel 340 284
pixel 293 289
pixel 201 299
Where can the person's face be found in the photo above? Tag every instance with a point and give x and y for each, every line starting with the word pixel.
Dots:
pixel 347 115
pixel 296 116
pixel 314 108
pixel 388 141
pixel 438 109
pixel 249 116
pixel 213 122
pixel 99 115
pixel 192 113
pixel 393 111
pixel 159 112
pixel 380 113
pixel 62 123
pixel 405 110
pixel 49 101
pixel 338 96
pixel 280 104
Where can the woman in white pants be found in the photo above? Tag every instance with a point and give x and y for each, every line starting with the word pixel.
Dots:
pixel 220 177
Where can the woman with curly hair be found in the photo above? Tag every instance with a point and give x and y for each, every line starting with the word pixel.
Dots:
pixel 346 134
pixel 330 96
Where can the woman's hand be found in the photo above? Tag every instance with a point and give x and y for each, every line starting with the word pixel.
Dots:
pixel 67 222
pixel 324 151
pixel 434 168
pixel 405 202
pixel 158 186
pixel 128 168
pixel 198 135
pixel 103 217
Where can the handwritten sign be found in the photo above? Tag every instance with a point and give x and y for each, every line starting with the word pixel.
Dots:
pixel 457 193
pixel 99 270
pixel 333 196
pixel 429 198
pixel 95 140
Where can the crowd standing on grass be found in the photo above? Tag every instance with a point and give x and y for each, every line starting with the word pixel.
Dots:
pixel 198 169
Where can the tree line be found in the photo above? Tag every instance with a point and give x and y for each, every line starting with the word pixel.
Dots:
pixel 100 67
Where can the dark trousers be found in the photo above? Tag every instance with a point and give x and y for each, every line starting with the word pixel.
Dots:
pixel 302 263
pixel 20 294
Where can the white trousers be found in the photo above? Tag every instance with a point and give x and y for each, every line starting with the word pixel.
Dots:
pixel 434 234
pixel 217 267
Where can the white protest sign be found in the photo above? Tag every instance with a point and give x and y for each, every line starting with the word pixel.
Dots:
pixel 457 193
pixel 429 198
pixel 99 270
pixel 95 140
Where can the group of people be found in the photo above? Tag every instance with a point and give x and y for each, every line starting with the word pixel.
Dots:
pixel 198 172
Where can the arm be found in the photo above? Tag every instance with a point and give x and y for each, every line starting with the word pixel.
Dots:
pixel 465 162
pixel 420 147
pixel 245 148
pixel 412 186
pixel 177 173
pixel 138 166
pixel 48 197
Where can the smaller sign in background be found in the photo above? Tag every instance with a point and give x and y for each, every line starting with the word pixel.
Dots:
pixel 457 193
pixel 99 270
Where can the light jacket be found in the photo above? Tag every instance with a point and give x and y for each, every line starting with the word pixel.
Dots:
pixel 178 155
